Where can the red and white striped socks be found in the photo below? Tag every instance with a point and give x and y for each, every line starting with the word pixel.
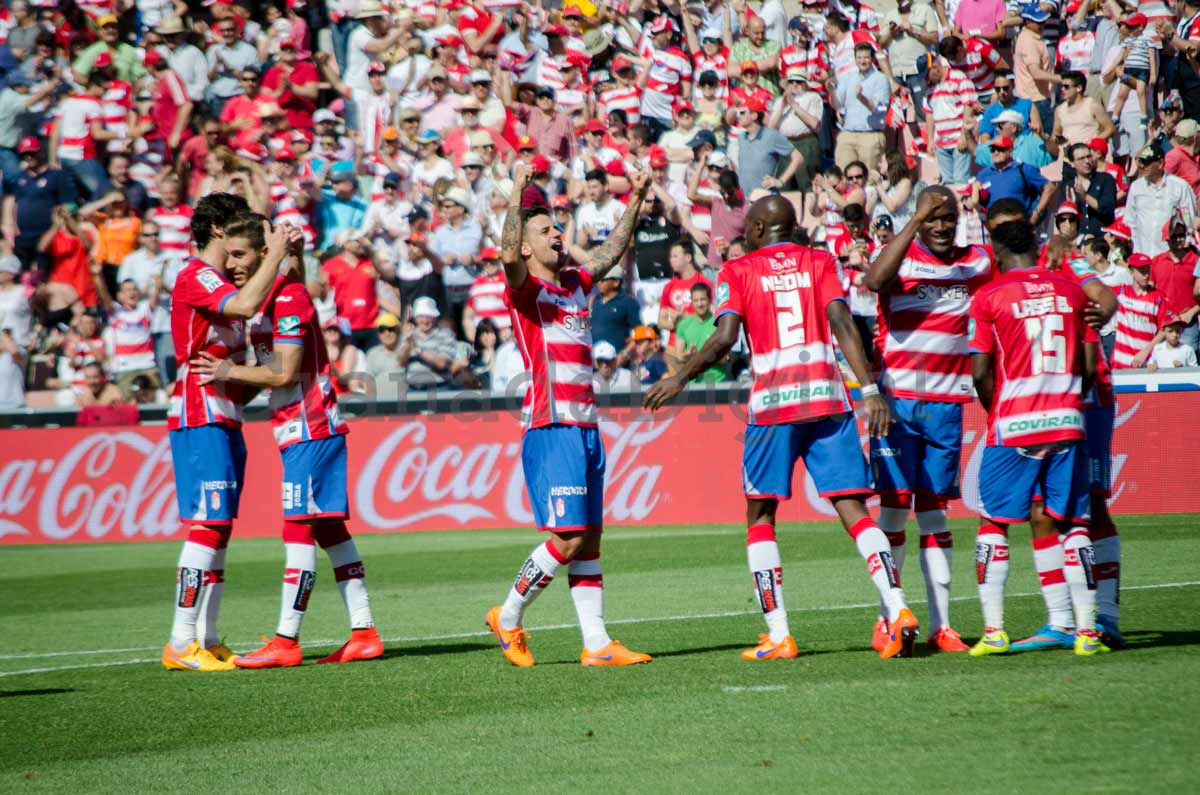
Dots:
pixel 197 574
pixel 936 550
pixel 991 570
pixel 1048 560
pixel 534 576
pixel 586 579
pixel 348 571
pixel 1079 569
pixel 1106 546
pixel 877 552
pixel 299 577
pixel 766 569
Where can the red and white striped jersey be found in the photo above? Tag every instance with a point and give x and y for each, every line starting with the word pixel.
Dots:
pixel 76 114
pixel 980 62
pixel 718 64
pixel 127 338
pixel 1101 394
pixel 841 57
pixel 812 59
pixel 669 69
pixel 174 228
pixel 306 409
pixel 922 331
pixel 1075 51
pixel 1140 314
pixel 552 327
pixel 947 103
pixel 486 300
pixel 780 292
pixel 197 325
pixel 548 72
pixel 1031 322
pixel 625 98
pixel 285 210
pixel 117 102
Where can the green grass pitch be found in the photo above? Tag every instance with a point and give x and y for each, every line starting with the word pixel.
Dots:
pixel 84 704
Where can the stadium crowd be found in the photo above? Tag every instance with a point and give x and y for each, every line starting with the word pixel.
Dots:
pixel 388 134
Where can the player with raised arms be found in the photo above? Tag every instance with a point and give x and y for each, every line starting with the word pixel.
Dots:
pixel 1098 418
pixel 925 283
pixel 1031 367
pixel 204 426
pixel 790 301
pixel 562 454
pixel 291 360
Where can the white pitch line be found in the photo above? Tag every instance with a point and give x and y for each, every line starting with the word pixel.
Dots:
pixel 544 628
pixel 752 688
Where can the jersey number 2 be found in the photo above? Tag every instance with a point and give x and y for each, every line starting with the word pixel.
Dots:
pixel 1049 347
pixel 790 317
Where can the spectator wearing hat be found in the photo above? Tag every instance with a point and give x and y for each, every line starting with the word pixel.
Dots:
pixel 485 301
pixel 1033 78
pixel 374 36
pixel 754 46
pixel 185 59
pixel 862 98
pixel 797 116
pixel 228 60
pixel 1005 99
pixel 644 355
pixel 125 59
pixel 339 206
pixel 1092 192
pixel 676 141
pixel 1154 197
pixel 1028 147
pixel 32 201
pixel 473 177
pixel 1066 224
pixel 709 54
pixel 1141 314
pixel 614 312
pixel 667 76
pixel 748 91
pixel 429 351
pixel 456 242
pixel 1139 65
pixel 295 84
pixel 1173 273
pixel 431 166
pixel 765 158
pixel 625 96
pixel 439 106
pixel 1183 160
pixel 598 216
pixel 383 360
pixel 609 376
pixel 492 113
pixel 386 222
pixel 171 112
pixel 16 313
pixel 1008 179
pixel 16 98
pixel 416 274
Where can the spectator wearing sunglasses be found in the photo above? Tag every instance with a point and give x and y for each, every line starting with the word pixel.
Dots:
pixel 1154 197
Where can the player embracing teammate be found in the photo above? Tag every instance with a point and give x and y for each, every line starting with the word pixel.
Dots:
pixel 790 302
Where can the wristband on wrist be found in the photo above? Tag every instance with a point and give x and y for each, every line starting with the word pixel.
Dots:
pixel 869 390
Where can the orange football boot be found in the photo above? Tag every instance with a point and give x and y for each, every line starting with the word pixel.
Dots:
pixel 612 654
pixel 280 652
pixel 902 634
pixel 364 644
pixel 766 650
pixel 513 642
pixel 946 639
pixel 880 636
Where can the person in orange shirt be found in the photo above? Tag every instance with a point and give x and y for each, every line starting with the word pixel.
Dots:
pixel 117 233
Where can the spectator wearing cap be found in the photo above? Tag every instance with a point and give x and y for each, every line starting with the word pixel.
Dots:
pixel 473 177
pixel 416 274
pixel 1182 160
pixel 439 106
pixel 374 36
pixel 1008 179
pixel 32 200
pixel 1006 100
pixel 709 54
pixel 609 377
pixel 597 217
pixel 383 360
pixel 1173 272
pixel 16 99
pixel 458 139
pixel 295 84
pixel 765 158
pixel 185 59
pixel 485 301
pixel 644 355
pixel 862 98
pixel 1066 223
pixel 171 112
pixel 594 153
pixel 386 222
pixel 624 97
pixel 125 58
pixel 676 141
pixel 456 242
pixel 907 33
pixel 339 206
pixel 228 60
pixel 428 352
pixel 1171 351
pixel 614 312
pixel 431 166
pixel 1028 147
pixel 1154 197
pixel 16 314
pixel 797 116
pixel 755 47
pixel 667 76
pixel 492 112
pixel 1093 192
pixel 748 91
pixel 1032 75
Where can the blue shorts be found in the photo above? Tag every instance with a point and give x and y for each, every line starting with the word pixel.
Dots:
pixel 564 476
pixel 210 470
pixel 922 450
pixel 830 449
pixel 1098 425
pixel 1010 480
pixel 314 479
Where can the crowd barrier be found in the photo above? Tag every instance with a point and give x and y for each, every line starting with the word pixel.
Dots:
pixel 425 470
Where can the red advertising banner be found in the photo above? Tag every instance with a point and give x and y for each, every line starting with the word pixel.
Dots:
pixel 462 471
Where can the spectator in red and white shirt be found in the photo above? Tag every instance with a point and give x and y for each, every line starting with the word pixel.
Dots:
pixel 668 75
pixel 174 220
pixel 626 96
pixel 485 301
pixel 1141 314
pixel 709 54
pixel 78 128
pixel 172 110
pixel 949 110
pixel 978 60
pixel 128 338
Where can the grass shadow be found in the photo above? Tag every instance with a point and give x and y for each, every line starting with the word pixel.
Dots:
pixel 1146 638
pixel 45 691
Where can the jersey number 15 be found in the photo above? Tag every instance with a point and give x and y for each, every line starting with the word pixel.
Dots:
pixel 1049 347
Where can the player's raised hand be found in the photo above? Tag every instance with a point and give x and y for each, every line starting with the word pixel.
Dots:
pixel 522 174
pixel 277 243
pixel 209 368
pixel 879 416
pixel 295 238
pixel 640 180
pixel 662 393
pixel 929 202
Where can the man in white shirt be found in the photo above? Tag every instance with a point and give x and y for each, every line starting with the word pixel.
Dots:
pixel 186 60
pixel 1153 198
pixel 608 377
pixel 598 216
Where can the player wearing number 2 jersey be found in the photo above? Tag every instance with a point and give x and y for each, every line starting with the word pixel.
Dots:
pixel 562 453
pixel 1031 365
pixel 925 283
pixel 790 302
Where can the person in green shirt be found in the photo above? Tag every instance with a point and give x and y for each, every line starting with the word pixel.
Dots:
pixel 692 331
pixel 755 46
pixel 126 60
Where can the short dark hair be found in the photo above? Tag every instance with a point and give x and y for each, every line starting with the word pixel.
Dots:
pixel 854 213
pixel 213 212
pixel 1076 147
pixel 597 174
pixel 249 226
pixel 702 287
pixel 1018 237
pixel 839 22
pixel 1098 244
pixel 685 246
pixel 949 46
pixel 862 46
pixel 1005 207
pixel 728 180
pixel 641 133
pixel 1077 79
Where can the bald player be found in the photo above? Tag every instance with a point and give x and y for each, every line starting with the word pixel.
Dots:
pixel 790 302
pixel 925 283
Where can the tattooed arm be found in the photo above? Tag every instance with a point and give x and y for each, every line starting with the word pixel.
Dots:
pixel 613 248
pixel 515 271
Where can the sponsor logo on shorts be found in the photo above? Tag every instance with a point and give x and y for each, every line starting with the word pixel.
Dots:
pixel 304 590
pixel 528 578
pixel 189 586
pixel 214 499
pixel 560 507
pixel 1072 420
pixel 293 495
pixel 218 485
pixel 568 491
pixel 764 588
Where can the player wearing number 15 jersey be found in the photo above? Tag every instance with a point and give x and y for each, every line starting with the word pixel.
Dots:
pixel 790 302
pixel 1031 364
